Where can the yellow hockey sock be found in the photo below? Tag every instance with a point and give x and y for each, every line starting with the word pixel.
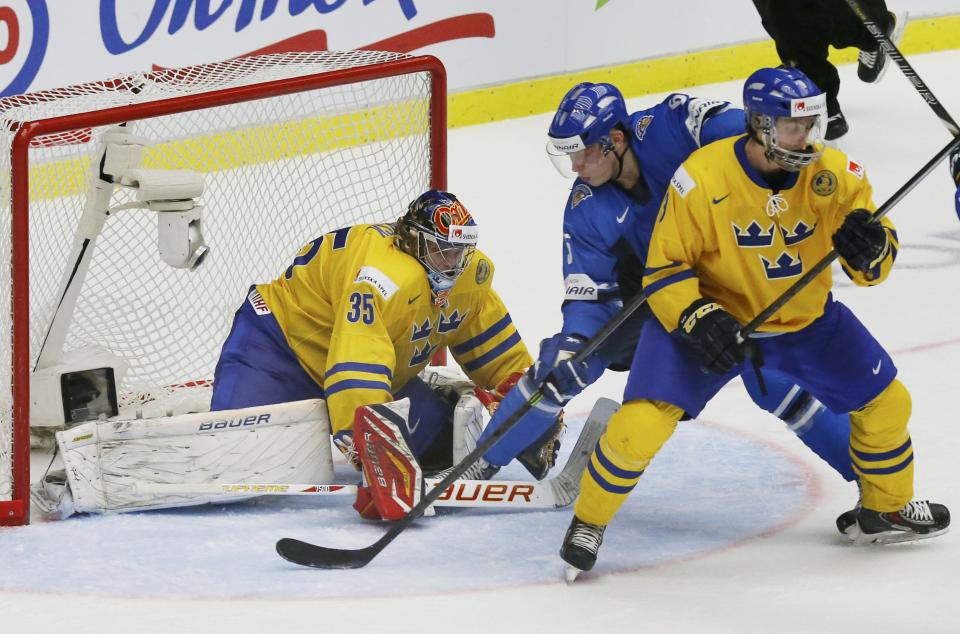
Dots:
pixel 633 437
pixel 882 451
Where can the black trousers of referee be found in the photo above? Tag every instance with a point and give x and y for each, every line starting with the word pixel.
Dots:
pixel 803 29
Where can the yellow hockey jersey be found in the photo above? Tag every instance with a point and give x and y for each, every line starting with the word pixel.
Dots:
pixel 358 313
pixel 722 233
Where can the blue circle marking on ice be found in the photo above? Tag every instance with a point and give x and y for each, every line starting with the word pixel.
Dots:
pixel 708 489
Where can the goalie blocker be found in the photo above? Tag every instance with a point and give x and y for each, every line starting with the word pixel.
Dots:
pixel 393 480
pixel 392 476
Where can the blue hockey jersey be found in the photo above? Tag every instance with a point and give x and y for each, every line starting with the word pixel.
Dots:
pixel 606 231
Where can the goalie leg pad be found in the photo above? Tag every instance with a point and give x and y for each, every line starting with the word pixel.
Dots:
pixel 392 477
pixel 111 465
pixel 467 426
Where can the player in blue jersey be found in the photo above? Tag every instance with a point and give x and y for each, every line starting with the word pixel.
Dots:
pixel 742 220
pixel 623 164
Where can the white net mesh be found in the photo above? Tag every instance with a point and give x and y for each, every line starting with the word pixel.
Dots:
pixel 278 171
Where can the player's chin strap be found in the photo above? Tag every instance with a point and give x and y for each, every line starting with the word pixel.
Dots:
pixel 608 147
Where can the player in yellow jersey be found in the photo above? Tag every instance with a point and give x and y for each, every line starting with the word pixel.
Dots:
pixel 360 312
pixel 743 219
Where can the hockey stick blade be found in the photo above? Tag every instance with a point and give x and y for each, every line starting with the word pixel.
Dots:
pixel 313 556
pixel 566 486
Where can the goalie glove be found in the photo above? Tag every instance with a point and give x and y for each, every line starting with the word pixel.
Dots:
pixel 491 399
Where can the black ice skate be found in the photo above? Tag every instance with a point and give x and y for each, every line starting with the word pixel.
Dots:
pixel 580 546
pixel 847 520
pixel 917 520
pixel 836 127
pixel 540 457
pixel 872 66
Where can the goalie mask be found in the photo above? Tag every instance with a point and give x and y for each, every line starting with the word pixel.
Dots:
pixel 785 113
pixel 441 234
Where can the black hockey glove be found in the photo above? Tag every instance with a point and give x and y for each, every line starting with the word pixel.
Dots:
pixel 714 335
pixel 860 242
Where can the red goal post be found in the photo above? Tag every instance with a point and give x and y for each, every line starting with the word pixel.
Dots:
pixel 289 146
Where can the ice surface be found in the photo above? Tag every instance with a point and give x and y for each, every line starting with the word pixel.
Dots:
pixel 731 529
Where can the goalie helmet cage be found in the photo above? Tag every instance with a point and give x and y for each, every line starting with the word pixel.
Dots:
pixel 290 146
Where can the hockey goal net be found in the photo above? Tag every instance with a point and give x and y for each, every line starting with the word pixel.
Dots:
pixel 288 146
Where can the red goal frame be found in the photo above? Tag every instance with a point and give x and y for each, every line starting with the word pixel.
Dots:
pixel 16 511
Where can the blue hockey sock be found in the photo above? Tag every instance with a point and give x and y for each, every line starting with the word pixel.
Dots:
pixel 825 432
pixel 528 429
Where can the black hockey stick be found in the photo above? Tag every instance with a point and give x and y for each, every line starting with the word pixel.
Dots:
pixel 889 48
pixel 828 259
pixel 306 554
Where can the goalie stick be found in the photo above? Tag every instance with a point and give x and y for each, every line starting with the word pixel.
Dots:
pixel 555 492
pixel 314 556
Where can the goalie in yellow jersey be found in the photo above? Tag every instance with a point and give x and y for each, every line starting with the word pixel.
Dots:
pixel 743 218
pixel 360 312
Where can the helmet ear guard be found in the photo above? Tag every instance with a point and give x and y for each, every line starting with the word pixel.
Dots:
pixel 406 237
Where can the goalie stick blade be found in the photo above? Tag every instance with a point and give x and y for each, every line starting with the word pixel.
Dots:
pixel 313 556
pixel 566 486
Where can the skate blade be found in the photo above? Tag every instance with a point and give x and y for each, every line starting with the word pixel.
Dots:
pixel 570 574
pixel 859 538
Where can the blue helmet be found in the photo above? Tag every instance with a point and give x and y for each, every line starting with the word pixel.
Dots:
pixel 587 114
pixel 441 234
pixel 784 92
